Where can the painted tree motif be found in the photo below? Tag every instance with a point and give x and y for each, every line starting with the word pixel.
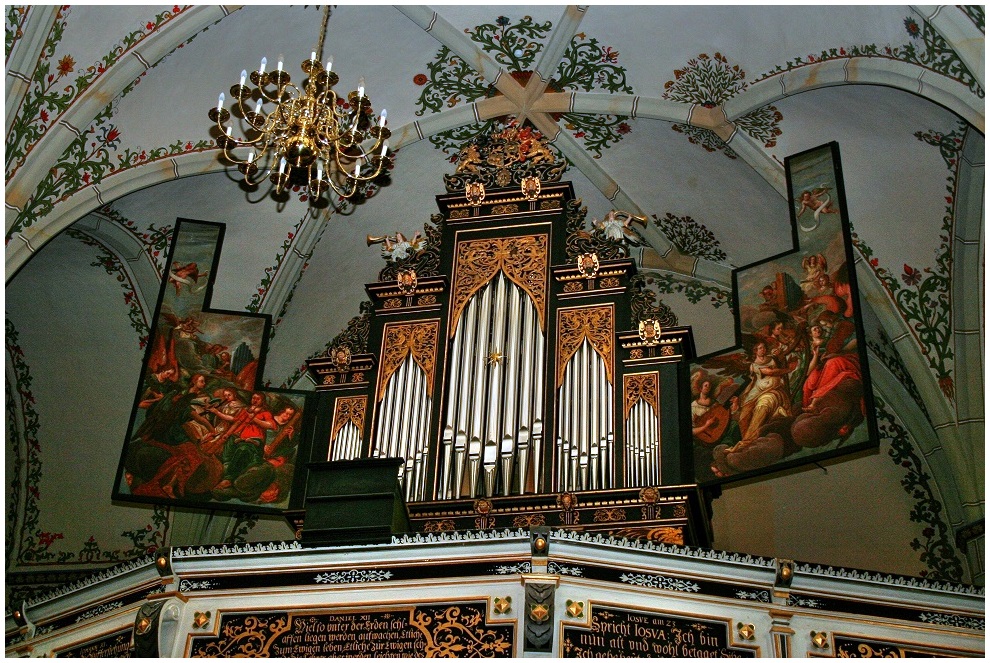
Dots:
pixel 691 237
pixel 586 65
pixel 709 81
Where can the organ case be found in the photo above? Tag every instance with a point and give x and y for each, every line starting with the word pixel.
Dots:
pixel 508 366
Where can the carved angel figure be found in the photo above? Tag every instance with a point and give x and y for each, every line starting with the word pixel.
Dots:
pixel 618 225
pixel 399 248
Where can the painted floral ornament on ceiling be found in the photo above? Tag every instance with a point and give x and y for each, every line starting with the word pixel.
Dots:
pixel 709 81
pixel 515 45
pixel 931 53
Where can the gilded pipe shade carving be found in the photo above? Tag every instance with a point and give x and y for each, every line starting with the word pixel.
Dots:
pixel 643 386
pixel 349 409
pixel 523 259
pixel 574 325
pixel 416 338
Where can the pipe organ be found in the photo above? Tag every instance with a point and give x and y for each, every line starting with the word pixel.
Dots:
pixel 500 360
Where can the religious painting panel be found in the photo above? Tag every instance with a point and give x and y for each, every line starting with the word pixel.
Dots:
pixel 202 432
pixel 796 387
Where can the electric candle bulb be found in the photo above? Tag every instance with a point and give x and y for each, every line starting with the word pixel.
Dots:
pixel 261 69
pixel 319 171
pixel 228 132
pixel 381 121
pixel 360 87
pixel 357 167
pixel 220 100
pixel 243 77
pixel 280 63
pixel 250 157
pixel 281 166
pixel 384 148
pixel 313 56
pixel 329 63
pixel 257 109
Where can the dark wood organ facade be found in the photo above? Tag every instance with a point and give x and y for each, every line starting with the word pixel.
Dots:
pixel 505 360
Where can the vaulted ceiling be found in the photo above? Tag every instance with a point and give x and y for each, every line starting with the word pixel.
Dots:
pixel 683 114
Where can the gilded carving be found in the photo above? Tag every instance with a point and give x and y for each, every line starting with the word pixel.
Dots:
pixel 649 331
pixel 503 604
pixel 609 515
pixel 357 377
pixel 341 356
pixel 416 338
pixel 642 386
pixel 746 631
pixel 505 209
pixel 348 409
pixel 523 260
pixel 636 354
pixel 439 526
pixel 459 213
pixel 394 302
pixel 610 282
pixel 549 204
pixel 574 286
pixel 576 324
pixel 668 535
pixel 426 300
pixel 529 520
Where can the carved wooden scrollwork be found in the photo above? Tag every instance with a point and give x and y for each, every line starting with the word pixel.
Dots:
pixel 574 325
pixel 416 338
pixel 642 386
pixel 349 409
pixel 523 260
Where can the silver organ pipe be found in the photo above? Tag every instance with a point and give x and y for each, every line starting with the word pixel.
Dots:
pixel 480 356
pixel 496 359
pixel 642 446
pixel 402 430
pixel 347 444
pixel 584 416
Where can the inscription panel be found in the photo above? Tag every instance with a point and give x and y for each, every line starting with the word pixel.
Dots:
pixel 113 645
pixel 853 647
pixel 618 633
pixel 431 631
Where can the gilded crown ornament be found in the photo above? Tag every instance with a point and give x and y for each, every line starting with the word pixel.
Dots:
pixel 303 135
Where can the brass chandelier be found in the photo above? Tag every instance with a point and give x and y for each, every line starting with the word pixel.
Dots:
pixel 310 137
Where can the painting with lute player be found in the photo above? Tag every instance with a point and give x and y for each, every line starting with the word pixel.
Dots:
pixel 711 414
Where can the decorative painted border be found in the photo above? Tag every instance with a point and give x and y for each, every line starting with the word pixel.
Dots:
pixel 114 267
pixel 88 160
pixel 933 54
pixel 924 299
pixel 44 104
pixel 155 240
pixel 13 27
pixel 936 544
